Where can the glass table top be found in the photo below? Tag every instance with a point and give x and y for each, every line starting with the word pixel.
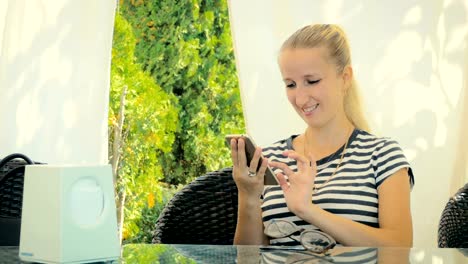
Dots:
pixel 159 253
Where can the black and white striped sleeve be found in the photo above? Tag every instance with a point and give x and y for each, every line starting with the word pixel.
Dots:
pixel 388 159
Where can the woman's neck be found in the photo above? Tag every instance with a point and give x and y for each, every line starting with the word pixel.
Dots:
pixel 324 141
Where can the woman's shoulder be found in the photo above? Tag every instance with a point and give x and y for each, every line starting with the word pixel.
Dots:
pixel 386 153
pixel 365 139
pixel 279 146
pixel 378 148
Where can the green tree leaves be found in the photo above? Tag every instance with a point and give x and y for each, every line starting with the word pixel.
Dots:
pixel 151 118
pixel 176 58
pixel 186 47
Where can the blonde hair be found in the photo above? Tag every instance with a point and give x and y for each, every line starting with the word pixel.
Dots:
pixel 334 39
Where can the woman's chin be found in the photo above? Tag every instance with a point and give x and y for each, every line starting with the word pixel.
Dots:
pixel 313 122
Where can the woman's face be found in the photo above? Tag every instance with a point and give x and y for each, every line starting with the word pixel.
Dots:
pixel 314 88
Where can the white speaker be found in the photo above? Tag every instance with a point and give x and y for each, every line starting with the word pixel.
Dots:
pixel 68 215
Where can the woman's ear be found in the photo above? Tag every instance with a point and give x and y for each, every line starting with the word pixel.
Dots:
pixel 347 78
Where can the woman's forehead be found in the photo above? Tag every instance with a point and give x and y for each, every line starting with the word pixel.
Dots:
pixel 303 62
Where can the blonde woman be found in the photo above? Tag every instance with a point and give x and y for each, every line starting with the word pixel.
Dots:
pixel 336 176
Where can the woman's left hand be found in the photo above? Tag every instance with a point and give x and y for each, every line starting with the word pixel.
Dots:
pixel 298 192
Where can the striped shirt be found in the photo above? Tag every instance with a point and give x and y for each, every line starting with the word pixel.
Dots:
pixel 352 192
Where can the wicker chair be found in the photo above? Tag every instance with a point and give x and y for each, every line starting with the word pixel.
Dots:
pixel 203 212
pixel 453 225
pixel 11 197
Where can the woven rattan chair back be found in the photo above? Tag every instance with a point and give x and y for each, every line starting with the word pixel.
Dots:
pixel 11 197
pixel 203 212
pixel 453 225
pixel 11 188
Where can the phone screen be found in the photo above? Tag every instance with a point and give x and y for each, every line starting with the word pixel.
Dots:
pixel 270 178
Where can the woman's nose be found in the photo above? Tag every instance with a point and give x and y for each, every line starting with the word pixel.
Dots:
pixel 302 95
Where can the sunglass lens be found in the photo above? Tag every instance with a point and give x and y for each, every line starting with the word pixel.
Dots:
pixel 279 229
pixel 316 241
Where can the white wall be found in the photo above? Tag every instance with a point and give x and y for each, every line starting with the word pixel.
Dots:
pixel 54 79
pixel 411 60
pixel 3 9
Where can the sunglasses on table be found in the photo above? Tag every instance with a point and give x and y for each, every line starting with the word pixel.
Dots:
pixel 312 240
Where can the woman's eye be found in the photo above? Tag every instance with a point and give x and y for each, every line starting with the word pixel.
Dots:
pixel 313 82
pixel 290 85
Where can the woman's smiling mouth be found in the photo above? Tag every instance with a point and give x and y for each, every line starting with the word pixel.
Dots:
pixel 309 110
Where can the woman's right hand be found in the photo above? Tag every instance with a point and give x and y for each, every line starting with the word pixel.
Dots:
pixel 250 186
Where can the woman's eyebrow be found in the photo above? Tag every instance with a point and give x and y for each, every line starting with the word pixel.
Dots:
pixel 311 75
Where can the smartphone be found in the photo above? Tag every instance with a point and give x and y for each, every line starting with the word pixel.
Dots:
pixel 270 177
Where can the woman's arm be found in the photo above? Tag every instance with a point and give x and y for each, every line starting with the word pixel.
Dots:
pixel 249 229
pixel 394 218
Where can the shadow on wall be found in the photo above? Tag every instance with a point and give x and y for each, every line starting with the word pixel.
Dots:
pixel 461 156
pixel 428 107
pixel 53 101
pixel 436 96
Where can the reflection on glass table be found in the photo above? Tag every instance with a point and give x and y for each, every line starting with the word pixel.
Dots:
pixel 147 253
pixel 138 253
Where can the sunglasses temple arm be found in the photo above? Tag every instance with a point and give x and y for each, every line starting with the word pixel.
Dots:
pixel 295 239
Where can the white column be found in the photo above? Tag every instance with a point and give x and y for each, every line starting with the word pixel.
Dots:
pixel 54 79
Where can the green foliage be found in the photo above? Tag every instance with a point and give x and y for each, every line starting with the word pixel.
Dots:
pixel 186 47
pixel 153 254
pixel 140 224
pixel 176 58
pixel 151 117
